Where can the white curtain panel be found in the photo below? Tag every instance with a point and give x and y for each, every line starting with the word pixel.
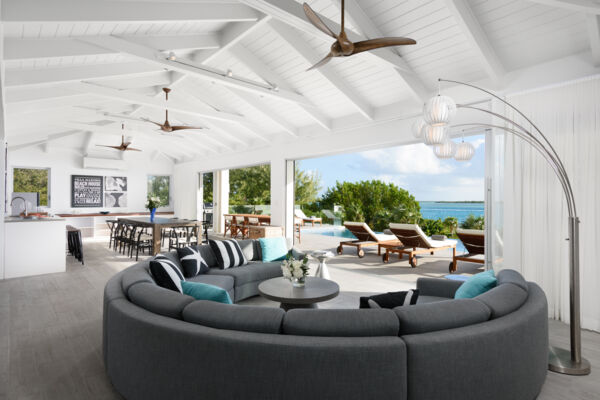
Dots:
pixel 535 212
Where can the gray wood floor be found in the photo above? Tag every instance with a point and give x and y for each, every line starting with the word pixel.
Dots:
pixel 50 325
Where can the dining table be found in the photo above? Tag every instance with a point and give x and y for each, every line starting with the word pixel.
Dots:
pixel 158 224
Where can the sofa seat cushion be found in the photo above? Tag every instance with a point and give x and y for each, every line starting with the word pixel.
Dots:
pixel 430 299
pixel 252 272
pixel 140 272
pixel 437 316
pixel 158 300
pixel 234 317
pixel 503 299
pixel 340 322
pixel 222 281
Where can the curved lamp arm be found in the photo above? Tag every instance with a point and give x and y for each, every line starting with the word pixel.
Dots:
pixel 560 360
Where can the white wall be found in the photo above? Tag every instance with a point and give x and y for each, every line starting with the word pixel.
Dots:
pixel 66 162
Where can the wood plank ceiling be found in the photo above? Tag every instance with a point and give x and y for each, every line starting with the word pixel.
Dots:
pixel 76 69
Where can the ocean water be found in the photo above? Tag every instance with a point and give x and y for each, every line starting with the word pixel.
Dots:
pixel 434 210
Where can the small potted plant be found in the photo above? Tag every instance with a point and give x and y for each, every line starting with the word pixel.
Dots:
pixel 152 204
pixel 295 270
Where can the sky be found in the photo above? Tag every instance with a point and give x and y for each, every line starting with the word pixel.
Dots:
pixel 413 167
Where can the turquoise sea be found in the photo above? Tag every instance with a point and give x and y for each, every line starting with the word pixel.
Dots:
pixel 435 210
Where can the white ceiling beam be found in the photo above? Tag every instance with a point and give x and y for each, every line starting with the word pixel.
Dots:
pixel 593 25
pixel 292 13
pixel 362 22
pixel 309 54
pixel 261 69
pixel 584 6
pixel 45 104
pixel 87 143
pixel 232 34
pixel 76 74
pixel 22 141
pixel 157 103
pixel 28 48
pixel 467 21
pixel 254 102
pixel 191 68
pixel 81 11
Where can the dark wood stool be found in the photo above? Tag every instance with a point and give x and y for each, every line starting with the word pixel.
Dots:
pixel 74 242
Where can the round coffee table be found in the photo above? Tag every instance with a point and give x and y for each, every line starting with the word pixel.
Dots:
pixel 314 291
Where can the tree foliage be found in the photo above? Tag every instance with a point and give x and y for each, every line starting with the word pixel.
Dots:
pixel 207 187
pixel 375 202
pixel 158 186
pixel 473 222
pixel 308 184
pixel 33 180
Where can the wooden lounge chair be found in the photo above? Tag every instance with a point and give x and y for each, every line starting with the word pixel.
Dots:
pixel 366 238
pixel 300 214
pixel 474 242
pixel 414 242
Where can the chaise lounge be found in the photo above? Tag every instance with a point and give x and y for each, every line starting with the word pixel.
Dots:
pixel 474 242
pixel 365 237
pixel 414 242
pixel 300 214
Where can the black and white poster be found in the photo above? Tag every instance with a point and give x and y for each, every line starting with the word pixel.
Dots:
pixel 115 191
pixel 86 191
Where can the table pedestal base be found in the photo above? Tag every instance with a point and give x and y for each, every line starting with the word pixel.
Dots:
pixel 290 306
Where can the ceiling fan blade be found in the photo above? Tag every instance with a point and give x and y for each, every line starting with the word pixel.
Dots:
pixel 131 149
pixel 371 44
pixel 152 122
pixel 181 127
pixel 316 21
pixel 112 147
pixel 324 61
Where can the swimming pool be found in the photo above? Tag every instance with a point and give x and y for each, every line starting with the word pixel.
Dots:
pixel 345 233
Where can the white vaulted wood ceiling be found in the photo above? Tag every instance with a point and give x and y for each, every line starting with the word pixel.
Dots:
pixel 76 69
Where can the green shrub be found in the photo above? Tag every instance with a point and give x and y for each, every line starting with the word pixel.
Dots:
pixel 473 222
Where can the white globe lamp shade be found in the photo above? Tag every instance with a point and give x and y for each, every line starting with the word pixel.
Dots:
pixel 464 151
pixel 439 110
pixel 445 150
pixel 434 134
pixel 418 127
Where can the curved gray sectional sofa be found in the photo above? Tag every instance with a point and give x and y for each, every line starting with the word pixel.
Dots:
pixel 160 344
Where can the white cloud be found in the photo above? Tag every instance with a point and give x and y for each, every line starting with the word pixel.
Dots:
pixel 397 180
pixel 461 188
pixel 477 142
pixel 413 159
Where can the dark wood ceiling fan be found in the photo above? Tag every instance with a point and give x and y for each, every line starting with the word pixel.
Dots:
pixel 343 46
pixel 124 146
pixel 166 126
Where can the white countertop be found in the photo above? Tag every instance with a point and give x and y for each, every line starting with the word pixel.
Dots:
pixel 43 219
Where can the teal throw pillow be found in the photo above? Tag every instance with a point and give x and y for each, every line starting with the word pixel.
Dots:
pixel 476 285
pixel 204 291
pixel 273 249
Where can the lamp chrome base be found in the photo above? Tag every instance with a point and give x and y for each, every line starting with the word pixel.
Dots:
pixel 559 360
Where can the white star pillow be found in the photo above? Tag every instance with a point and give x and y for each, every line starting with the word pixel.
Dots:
pixel 192 262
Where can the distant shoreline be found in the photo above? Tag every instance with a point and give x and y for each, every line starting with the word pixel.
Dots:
pixel 464 201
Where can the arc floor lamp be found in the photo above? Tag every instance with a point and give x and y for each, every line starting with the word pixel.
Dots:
pixel 437 114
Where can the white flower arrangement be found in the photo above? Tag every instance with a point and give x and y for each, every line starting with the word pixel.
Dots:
pixel 153 202
pixel 294 269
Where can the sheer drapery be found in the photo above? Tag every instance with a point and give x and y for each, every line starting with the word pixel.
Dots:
pixel 535 213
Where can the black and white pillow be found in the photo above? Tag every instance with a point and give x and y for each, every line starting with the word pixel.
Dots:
pixel 229 254
pixel 166 274
pixel 390 300
pixel 192 262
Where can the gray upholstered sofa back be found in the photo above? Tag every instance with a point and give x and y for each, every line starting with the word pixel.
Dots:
pixel 493 346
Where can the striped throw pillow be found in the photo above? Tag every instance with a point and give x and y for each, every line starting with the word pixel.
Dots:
pixel 228 253
pixel 192 262
pixel 166 274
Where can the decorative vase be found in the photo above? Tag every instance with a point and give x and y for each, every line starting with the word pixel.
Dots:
pixel 152 212
pixel 298 282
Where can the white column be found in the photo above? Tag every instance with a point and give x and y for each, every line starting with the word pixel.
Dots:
pixel 200 197
pixel 282 195
pixel 220 199
pixel 2 153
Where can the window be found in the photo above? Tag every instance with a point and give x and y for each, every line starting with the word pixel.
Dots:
pixel 33 180
pixel 159 186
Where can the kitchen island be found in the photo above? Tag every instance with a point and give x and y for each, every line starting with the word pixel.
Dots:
pixel 34 246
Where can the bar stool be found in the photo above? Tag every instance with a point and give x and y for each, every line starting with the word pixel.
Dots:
pixel 112 223
pixel 74 243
